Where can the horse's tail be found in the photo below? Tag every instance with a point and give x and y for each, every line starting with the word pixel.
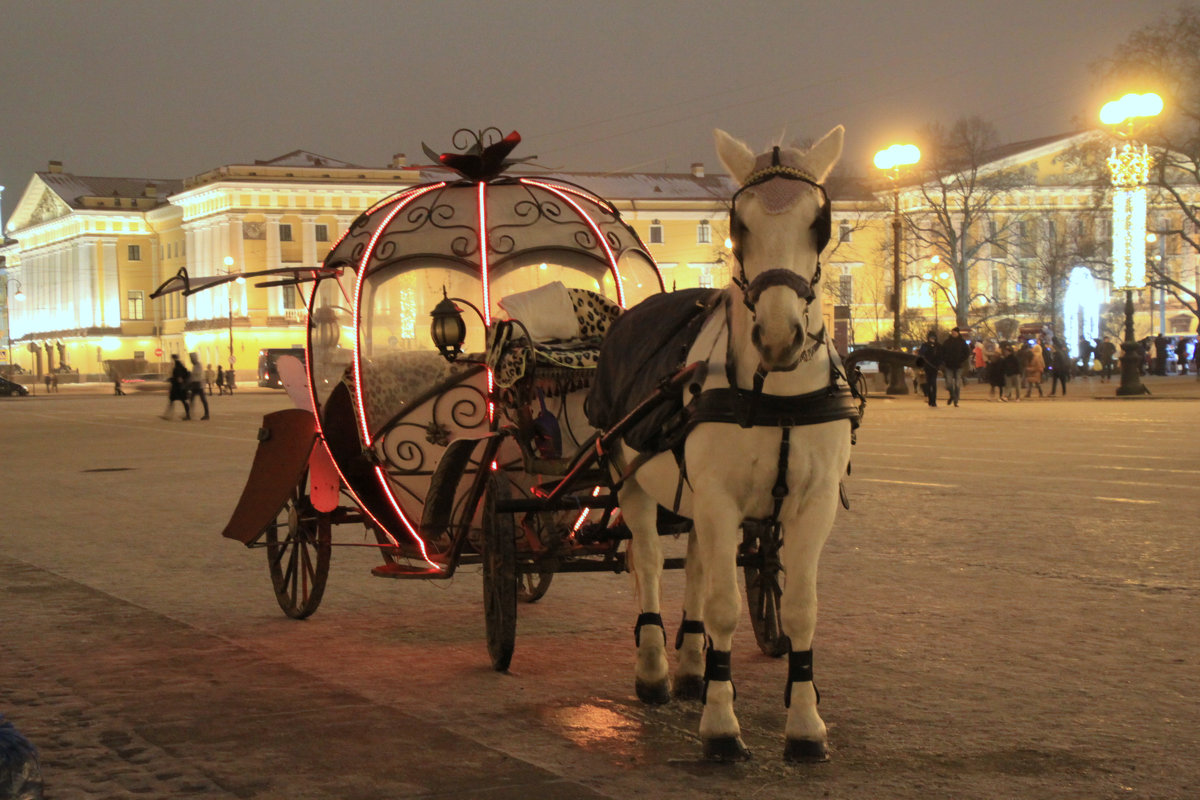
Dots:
pixel 883 357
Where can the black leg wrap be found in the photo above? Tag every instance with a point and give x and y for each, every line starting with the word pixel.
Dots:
pixel 647 619
pixel 686 627
pixel 717 667
pixel 800 670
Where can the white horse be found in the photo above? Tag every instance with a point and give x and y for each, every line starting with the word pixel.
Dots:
pixel 769 341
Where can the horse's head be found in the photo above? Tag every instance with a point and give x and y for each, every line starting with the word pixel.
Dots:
pixel 779 223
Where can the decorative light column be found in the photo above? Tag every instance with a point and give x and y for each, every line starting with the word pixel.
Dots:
pixel 890 161
pixel 1130 167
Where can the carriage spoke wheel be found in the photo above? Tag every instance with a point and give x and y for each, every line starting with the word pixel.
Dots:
pixel 298 554
pixel 764 590
pixel 532 586
pixel 499 574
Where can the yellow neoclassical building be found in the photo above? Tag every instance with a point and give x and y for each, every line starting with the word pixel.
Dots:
pixel 85 253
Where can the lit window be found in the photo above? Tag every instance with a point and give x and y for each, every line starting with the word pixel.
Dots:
pixel 844 231
pixel 135 254
pixel 703 232
pixel 846 289
pixel 656 232
pixel 137 305
pixel 322 233
pixel 285 232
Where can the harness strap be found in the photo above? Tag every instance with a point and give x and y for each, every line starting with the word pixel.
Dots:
pixel 800 670
pixel 686 627
pixel 780 490
pixel 717 667
pixel 647 619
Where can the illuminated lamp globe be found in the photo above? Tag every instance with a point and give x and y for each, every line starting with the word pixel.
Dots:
pixel 448 330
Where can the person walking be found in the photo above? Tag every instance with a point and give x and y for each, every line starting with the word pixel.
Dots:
pixel 177 389
pixel 929 352
pixel 196 386
pixel 979 360
pixel 954 354
pixel 995 375
pixel 1106 352
pixel 230 385
pixel 117 390
pixel 1034 367
pixel 1060 369
pixel 209 375
pixel 1160 355
pixel 1181 358
pixel 1011 368
pixel 220 379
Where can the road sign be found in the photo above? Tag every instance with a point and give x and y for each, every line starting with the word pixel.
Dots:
pixel 158 352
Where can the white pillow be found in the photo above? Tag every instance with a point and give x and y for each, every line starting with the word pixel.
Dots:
pixel 547 312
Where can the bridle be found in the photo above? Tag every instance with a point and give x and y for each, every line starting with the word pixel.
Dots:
pixel 822 226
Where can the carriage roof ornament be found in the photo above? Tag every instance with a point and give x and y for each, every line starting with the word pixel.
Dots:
pixel 482 159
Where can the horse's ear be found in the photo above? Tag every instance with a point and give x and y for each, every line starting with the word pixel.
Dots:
pixel 825 153
pixel 735 155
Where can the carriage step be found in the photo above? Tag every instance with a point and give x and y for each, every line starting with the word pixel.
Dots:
pixel 403 571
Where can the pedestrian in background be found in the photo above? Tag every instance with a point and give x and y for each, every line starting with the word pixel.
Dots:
pixel 1181 358
pixel 954 353
pixel 1160 354
pixel 177 390
pixel 995 375
pixel 229 382
pixel 929 352
pixel 979 360
pixel 1060 369
pixel 220 379
pixel 196 386
pixel 1034 367
pixel 209 375
pixel 1106 352
pixel 1012 373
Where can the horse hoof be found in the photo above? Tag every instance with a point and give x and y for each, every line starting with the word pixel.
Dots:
pixel 725 749
pixel 805 751
pixel 654 694
pixel 689 687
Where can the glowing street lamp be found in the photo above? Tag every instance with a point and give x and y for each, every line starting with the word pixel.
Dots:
pixel 890 161
pixel 1130 169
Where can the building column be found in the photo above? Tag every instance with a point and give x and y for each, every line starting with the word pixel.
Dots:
pixel 274 261
pixel 110 286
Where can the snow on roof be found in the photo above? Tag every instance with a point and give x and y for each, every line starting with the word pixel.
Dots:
pixel 627 185
pixel 73 187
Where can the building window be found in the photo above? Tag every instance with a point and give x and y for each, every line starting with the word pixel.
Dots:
pixel 703 232
pixel 291 298
pixel 844 231
pixel 322 233
pixel 656 232
pixel 137 305
pixel 135 252
pixel 285 232
pixel 139 354
pixel 846 289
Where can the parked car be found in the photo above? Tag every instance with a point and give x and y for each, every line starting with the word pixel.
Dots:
pixel 146 382
pixel 11 388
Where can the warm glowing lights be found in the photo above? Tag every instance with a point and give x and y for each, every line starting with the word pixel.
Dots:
pixel 898 155
pixel 1129 238
pixel 1130 166
pixel 1130 107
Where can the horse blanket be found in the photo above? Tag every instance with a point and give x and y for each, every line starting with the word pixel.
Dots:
pixel 644 346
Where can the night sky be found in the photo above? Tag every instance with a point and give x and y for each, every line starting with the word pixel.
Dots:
pixel 169 89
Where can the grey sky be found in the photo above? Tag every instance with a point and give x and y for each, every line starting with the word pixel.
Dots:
pixel 168 89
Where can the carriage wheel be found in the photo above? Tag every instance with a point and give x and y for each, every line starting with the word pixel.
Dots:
pixel 760 549
pixel 532 586
pixel 298 553
pixel 499 574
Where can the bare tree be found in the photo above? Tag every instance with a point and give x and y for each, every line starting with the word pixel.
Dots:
pixel 960 188
pixel 1060 245
pixel 1165 56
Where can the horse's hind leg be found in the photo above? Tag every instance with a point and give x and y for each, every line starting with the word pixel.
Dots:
pixel 689 670
pixel 803 538
pixel 651 675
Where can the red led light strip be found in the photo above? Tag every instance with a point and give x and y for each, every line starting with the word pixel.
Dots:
pixel 402 201
pixel 612 260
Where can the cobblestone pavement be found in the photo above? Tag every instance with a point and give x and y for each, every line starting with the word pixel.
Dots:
pixel 1008 610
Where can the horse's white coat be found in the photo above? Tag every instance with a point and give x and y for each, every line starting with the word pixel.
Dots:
pixel 731 470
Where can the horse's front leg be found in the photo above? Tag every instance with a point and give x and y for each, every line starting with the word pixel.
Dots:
pixel 717 521
pixel 645 561
pixel 804 534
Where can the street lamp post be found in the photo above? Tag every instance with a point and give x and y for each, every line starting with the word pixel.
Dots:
pixel 19 296
pixel 229 300
pixel 890 161
pixel 933 287
pixel 1130 168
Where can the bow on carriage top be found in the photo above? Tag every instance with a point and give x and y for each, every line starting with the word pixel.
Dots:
pixel 480 162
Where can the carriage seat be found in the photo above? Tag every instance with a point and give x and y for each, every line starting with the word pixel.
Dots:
pixel 566 327
pixel 393 379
